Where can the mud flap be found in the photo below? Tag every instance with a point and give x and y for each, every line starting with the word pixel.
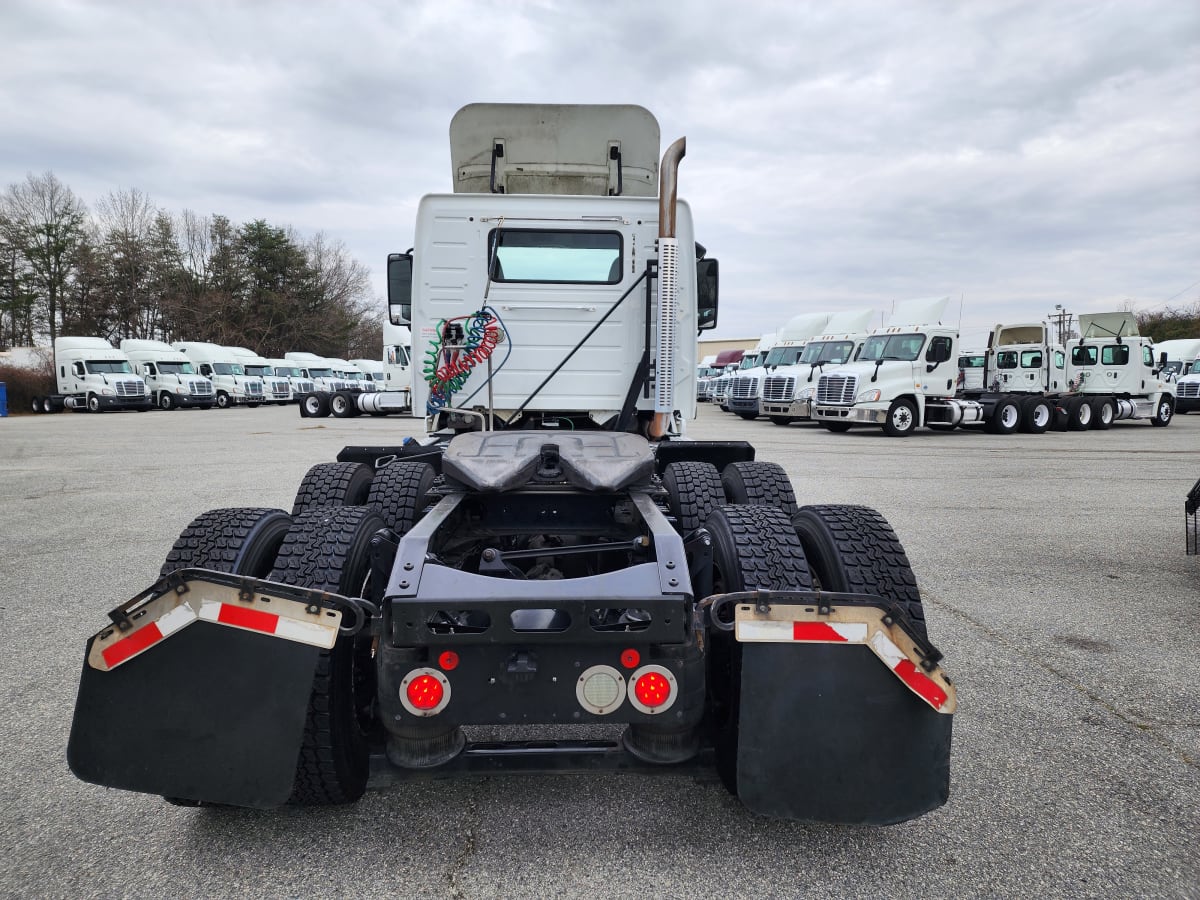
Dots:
pixel 214 714
pixel 827 733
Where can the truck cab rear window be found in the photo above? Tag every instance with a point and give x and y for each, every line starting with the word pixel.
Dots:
pixel 1115 355
pixel 555 257
pixel 1083 356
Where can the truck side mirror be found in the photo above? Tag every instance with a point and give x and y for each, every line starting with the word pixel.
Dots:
pixel 706 294
pixel 399 281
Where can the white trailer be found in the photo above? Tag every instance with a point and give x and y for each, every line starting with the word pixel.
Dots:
pixel 276 388
pixel 91 374
pixel 171 378
pixel 233 386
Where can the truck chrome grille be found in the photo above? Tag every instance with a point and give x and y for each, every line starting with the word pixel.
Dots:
pixel 279 390
pixel 839 390
pixel 779 389
pixel 254 388
pixel 130 389
pixel 203 388
pixel 744 388
pixel 306 387
pixel 1189 389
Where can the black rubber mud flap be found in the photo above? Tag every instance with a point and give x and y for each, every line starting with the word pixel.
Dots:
pixel 212 714
pixel 828 734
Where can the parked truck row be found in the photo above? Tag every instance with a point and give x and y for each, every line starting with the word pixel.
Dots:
pixel 93 375
pixel 914 373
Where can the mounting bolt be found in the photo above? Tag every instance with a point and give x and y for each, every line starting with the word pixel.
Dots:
pixel 408 567
pixel 489 555
pixel 673 582
pixel 404 584
pixel 670 563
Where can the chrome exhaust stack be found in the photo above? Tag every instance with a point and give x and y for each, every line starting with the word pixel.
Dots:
pixel 668 290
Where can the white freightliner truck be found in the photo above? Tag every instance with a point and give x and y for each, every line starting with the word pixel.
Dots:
pixel 794 365
pixel 1181 353
pixel 354 377
pixel 171 378
pixel 748 361
pixel 725 364
pixel 91 374
pixel 1187 389
pixel 230 381
pixel 397 357
pixel 744 396
pixel 1032 383
pixel 299 384
pixel 276 388
pixel 372 371
pixel 577 563
pixel 319 370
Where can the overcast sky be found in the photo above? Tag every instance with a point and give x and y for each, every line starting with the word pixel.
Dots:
pixel 840 155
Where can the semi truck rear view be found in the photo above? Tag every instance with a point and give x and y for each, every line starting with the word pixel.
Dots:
pixel 555 551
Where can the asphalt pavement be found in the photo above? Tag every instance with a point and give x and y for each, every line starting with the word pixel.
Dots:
pixel 1055 582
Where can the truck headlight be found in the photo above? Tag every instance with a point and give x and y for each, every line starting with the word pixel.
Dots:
pixel 807 393
pixel 107 392
pixel 869 396
pixel 182 389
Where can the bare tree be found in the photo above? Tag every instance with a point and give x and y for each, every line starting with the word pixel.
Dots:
pixel 45 221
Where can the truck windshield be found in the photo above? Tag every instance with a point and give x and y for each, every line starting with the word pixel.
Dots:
pixel 285 372
pixel 906 347
pixel 836 352
pixel 1195 369
pixel 176 368
pixel 320 373
pixel 783 356
pixel 748 362
pixel 258 370
pixel 228 369
pixel 555 257
pixel 108 367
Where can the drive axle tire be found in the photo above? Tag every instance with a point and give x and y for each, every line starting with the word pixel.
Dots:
pixel 1037 414
pixel 758 484
pixel 1079 414
pixel 901 418
pixel 398 493
pixel 1005 417
pixel 853 549
pixel 694 489
pixel 1163 413
pixel 754 547
pixel 343 405
pixel 36 405
pixel 329 549
pixel 1103 414
pixel 240 541
pixel 333 484
pixel 314 405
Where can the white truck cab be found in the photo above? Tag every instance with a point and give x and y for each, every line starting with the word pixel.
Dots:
pixel 971 365
pixel 565 208
pixel 354 377
pixel 92 374
pixel 233 386
pixel 1182 354
pixel 794 365
pixel 276 389
pixel 319 370
pixel 299 384
pixel 1187 389
pixel 171 378
pixel 397 357
pixel 372 370
pixel 1111 362
pixel 1025 358
pixel 744 394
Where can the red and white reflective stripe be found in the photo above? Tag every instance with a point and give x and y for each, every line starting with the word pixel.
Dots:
pixel 318 634
pixel 906 670
pixel 148 635
pixel 820 632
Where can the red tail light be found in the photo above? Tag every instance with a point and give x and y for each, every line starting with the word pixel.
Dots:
pixel 654 689
pixel 425 692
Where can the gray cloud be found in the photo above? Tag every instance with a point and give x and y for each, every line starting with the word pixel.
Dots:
pixel 840 155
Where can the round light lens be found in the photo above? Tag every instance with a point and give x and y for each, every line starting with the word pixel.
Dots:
pixel 448 660
pixel 630 658
pixel 425 692
pixel 652 690
pixel 600 690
